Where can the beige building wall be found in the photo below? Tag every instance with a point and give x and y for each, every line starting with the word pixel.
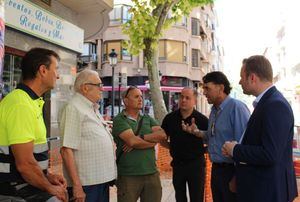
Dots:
pixel 178 33
pixel 71 11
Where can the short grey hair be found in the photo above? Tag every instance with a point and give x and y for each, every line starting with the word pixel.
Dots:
pixel 82 78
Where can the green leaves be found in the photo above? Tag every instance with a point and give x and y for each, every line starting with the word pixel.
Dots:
pixel 150 18
pixel 142 25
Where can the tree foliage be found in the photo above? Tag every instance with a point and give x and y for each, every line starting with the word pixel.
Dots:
pixel 149 19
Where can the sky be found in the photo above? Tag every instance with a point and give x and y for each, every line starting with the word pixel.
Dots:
pixel 248 27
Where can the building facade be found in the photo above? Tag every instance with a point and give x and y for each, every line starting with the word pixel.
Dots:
pixel 187 51
pixel 60 25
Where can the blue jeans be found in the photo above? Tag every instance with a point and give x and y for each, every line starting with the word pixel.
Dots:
pixel 94 193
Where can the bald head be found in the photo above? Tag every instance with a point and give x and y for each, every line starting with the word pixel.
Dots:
pixel 187 99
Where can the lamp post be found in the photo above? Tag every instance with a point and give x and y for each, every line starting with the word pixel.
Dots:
pixel 120 83
pixel 113 60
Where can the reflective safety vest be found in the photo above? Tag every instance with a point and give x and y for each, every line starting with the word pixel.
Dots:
pixel 8 170
pixel 21 121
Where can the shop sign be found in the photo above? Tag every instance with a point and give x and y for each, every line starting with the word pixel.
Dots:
pixel 34 20
pixel 172 81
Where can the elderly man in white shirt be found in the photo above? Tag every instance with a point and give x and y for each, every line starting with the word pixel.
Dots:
pixel 87 145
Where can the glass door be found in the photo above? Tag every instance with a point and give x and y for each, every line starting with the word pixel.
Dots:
pixel 11 72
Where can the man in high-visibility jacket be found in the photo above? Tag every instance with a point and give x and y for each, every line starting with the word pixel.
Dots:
pixel 23 143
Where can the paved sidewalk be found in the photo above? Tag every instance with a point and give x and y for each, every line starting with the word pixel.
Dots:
pixel 169 194
pixel 166 180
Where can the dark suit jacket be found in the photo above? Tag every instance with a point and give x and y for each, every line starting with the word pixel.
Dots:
pixel 264 164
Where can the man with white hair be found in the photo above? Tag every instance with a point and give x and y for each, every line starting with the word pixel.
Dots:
pixel 87 145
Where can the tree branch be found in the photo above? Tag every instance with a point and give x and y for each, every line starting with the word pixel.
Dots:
pixel 157 11
pixel 162 17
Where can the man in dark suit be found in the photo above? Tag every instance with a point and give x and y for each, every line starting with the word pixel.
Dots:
pixel 264 164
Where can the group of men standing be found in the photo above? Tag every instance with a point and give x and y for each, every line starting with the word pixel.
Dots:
pixel 251 154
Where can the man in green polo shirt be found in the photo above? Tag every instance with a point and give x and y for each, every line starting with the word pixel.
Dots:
pixel 136 135
pixel 23 143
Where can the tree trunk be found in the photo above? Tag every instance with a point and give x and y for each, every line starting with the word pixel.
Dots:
pixel 151 58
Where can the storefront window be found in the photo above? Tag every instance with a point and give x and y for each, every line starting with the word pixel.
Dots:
pixel 11 72
pixel 174 104
pixel 172 81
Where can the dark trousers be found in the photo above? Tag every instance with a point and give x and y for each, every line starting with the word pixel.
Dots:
pixel 23 192
pixel 94 193
pixel 191 173
pixel 221 175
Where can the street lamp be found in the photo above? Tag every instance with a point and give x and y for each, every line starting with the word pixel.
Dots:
pixel 113 60
pixel 120 83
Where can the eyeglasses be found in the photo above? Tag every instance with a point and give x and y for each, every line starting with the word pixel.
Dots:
pixel 129 89
pixel 99 85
